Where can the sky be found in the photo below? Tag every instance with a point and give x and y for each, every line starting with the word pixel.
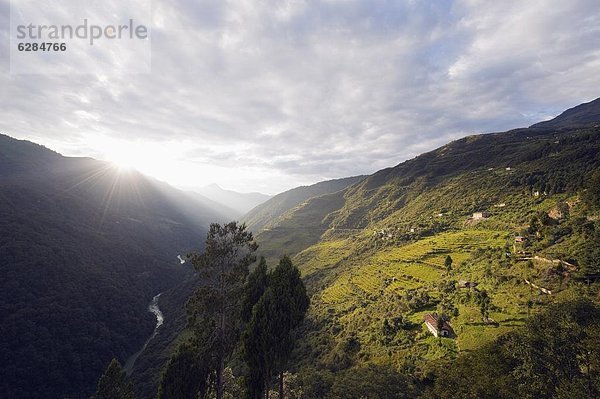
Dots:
pixel 267 95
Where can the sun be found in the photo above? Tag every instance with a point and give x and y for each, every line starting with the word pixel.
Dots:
pixel 124 165
pixel 162 160
pixel 123 161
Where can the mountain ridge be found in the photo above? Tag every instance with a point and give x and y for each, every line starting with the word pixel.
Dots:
pixel 579 115
pixel 267 214
pixel 240 203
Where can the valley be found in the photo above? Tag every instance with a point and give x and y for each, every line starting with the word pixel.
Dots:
pixel 155 310
pixel 294 199
pixel 487 232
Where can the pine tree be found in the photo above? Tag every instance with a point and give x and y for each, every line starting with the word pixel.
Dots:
pixel 589 258
pixel 256 342
pixel 114 383
pixel 255 288
pixel 223 267
pixel 186 374
pixel 484 302
pixel 269 338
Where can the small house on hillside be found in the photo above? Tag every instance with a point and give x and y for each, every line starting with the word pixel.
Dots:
pixel 481 215
pixel 520 245
pixel 433 324
pixel 467 284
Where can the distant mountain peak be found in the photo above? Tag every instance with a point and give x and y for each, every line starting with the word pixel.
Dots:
pixel 240 202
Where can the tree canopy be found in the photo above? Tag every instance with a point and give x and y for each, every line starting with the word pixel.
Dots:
pixel 114 384
pixel 269 337
pixel 217 303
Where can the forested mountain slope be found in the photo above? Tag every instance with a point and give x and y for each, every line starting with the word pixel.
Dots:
pixel 84 246
pixel 497 234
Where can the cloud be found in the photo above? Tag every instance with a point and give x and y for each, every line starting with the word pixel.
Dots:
pixel 297 91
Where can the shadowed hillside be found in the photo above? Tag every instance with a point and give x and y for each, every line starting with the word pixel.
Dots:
pixel 268 214
pixel 83 248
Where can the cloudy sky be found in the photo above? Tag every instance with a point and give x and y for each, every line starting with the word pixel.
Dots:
pixel 260 95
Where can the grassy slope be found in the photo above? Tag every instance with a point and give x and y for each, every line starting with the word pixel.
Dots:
pixel 365 257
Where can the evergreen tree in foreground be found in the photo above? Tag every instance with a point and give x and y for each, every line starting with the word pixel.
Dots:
pixel 255 288
pixel 215 309
pixel 114 383
pixel 269 338
pixel 186 374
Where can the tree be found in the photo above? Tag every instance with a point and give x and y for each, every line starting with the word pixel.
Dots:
pixel 448 263
pixel 114 383
pixel 256 343
pixel 186 374
pixel 534 225
pixel 591 195
pixel 484 374
pixel 223 267
pixel 589 258
pixel 558 347
pixel 484 302
pixel 446 293
pixel 315 382
pixel 269 338
pixel 255 288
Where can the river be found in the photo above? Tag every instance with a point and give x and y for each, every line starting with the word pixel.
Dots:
pixel 153 307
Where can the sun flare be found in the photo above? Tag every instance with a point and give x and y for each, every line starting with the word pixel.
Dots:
pixel 124 165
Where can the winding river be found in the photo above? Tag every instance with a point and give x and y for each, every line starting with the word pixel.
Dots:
pixel 153 307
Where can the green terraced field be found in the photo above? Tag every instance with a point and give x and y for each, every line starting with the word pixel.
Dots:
pixel 322 255
pixel 364 291
pixel 405 267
